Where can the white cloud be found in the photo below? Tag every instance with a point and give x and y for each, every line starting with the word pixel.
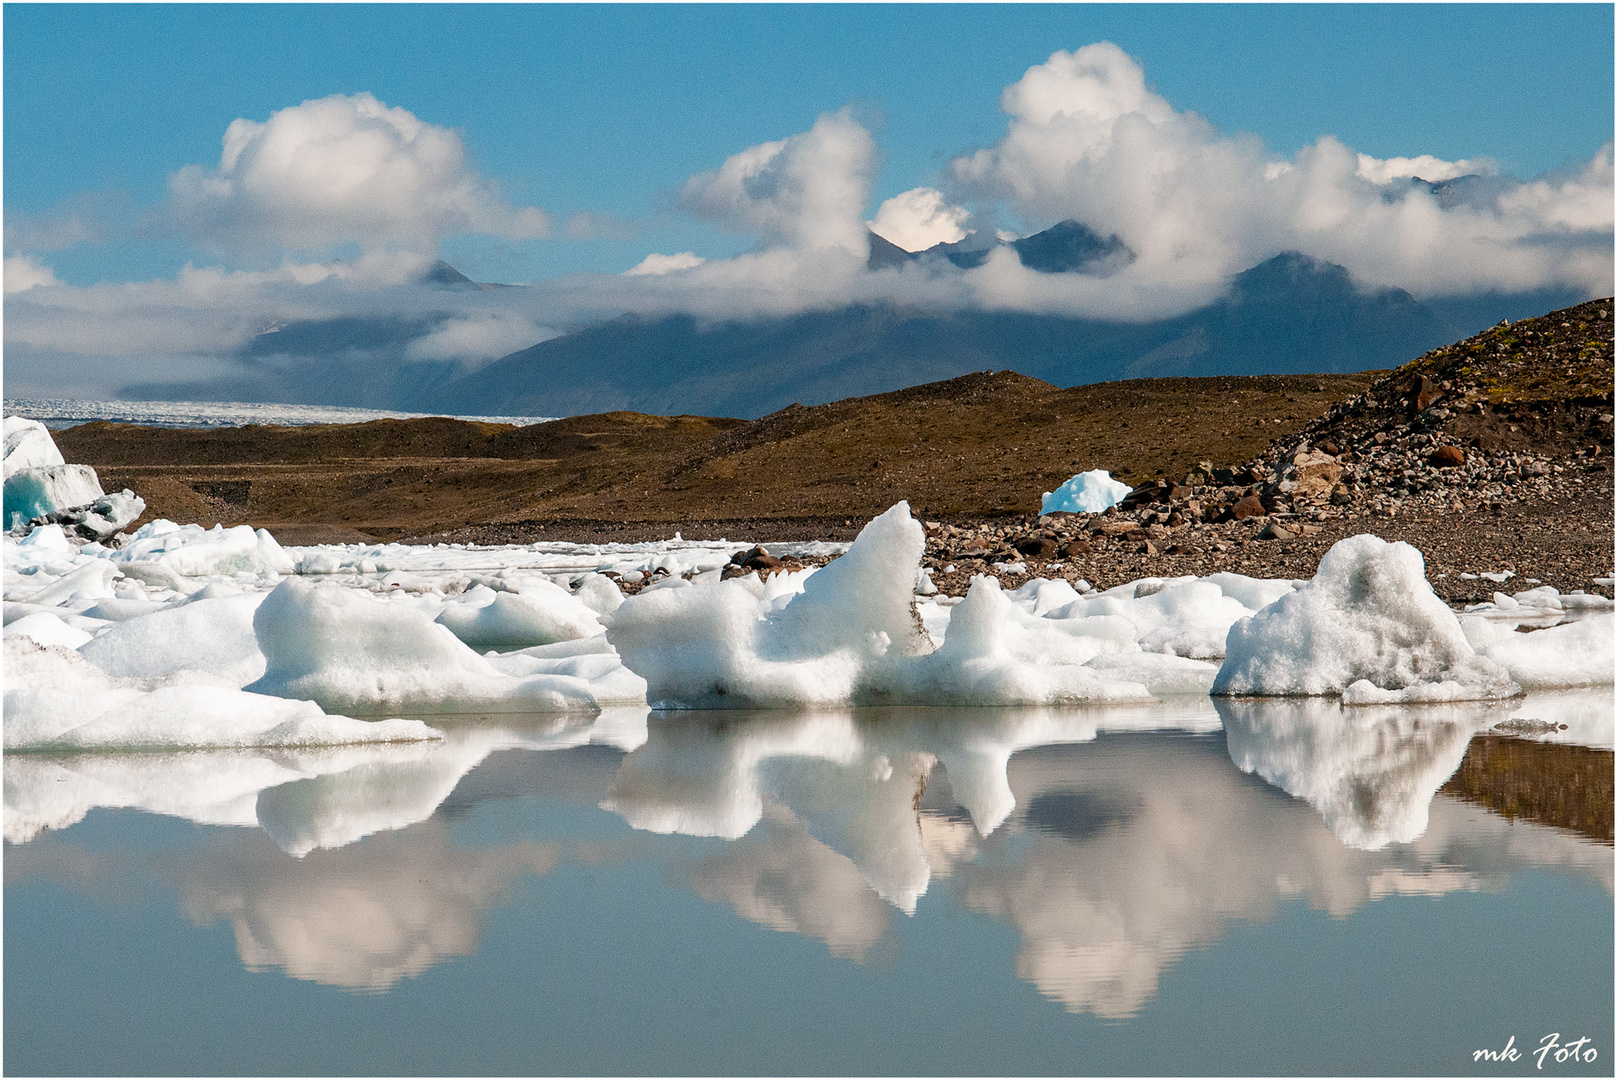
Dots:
pixel 663 264
pixel 341 170
pixel 807 192
pixel 1087 139
pixel 920 218
pixel 479 336
pixel 23 272
pixel 1427 167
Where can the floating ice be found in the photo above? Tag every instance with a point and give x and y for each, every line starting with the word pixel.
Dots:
pixel 1087 493
pixel 57 700
pixel 352 652
pixel 1573 654
pixel 192 551
pixel 102 518
pixel 32 493
pixel 1369 615
pixel 853 635
pixel 213 635
pixel 542 614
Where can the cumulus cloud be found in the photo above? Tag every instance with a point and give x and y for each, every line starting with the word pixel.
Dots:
pixel 807 192
pixel 1088 140
pixel 920 218
pixel 663 264
pixel 338 170
pixel 23 272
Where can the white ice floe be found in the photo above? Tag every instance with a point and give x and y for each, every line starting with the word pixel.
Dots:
pixel 1087 493
pixel 1368 622
pixel 1569 655
pixel 853 635
pixel 57 700
pixel 209 634
pixel 355 653
pixel 46 628
pixel 543 613
pixel 194 552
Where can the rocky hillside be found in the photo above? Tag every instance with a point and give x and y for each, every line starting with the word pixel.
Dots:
pixel 1490 454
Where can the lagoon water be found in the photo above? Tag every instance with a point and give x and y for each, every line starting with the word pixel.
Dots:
pixel 1191 887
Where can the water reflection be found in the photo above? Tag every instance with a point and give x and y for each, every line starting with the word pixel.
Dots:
pixel 1112 840
pixel 1371 772
pixel 362 918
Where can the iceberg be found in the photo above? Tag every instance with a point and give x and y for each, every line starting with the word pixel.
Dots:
pixel 1368 617
pixel 853 635
pixel 1087 493
pixel 351 652
pixel 57 700
pixel 36 492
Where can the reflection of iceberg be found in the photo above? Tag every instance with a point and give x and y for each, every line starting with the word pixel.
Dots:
pixel 365 917
pixel 1370 772
pixel 305 799
pixel 856 784
pixel 210 787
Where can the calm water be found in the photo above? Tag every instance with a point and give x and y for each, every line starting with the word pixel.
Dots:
pixel 870 892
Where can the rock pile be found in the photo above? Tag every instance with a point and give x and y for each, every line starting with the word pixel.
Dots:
pixel 1515 414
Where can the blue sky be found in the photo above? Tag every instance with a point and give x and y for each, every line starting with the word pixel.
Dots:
pixel 181 180
pixel 610 109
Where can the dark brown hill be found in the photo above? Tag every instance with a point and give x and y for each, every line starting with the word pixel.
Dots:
pixel 988 443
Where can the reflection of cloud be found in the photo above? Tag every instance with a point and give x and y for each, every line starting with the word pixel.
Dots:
pixel 781 877
pixel 1370 772
pixel 365 917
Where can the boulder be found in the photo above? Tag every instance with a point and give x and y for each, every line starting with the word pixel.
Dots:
pixel 1038 547
pixel 1247 506
pixel 1447 457
pixel 1312 475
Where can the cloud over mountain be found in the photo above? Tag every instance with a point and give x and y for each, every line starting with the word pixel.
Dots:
pixel 1088 140
pixel 807 192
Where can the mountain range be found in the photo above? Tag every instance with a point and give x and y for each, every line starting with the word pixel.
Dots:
pixel 1288 315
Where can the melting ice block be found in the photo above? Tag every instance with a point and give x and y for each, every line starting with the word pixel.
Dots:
pixel 57 700
pixel 192 551
pixel 853 636
pixel 214 635
pixel 1087 493
pixel 543 613
pixel 1369 624
pixel 352 652
pixel 29 446
pixel 31 493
